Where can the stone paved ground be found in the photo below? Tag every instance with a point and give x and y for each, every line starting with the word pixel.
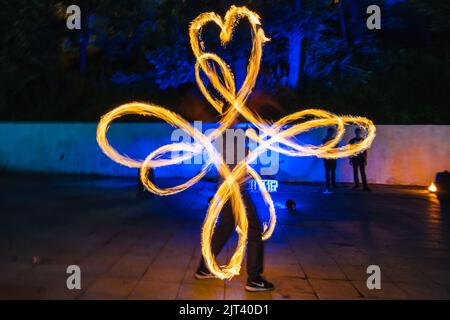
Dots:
pixel 148 249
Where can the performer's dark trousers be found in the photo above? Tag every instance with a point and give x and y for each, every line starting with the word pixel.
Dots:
pixel 361 166
pixel 142 192
pixel 330 173
pixel 255 245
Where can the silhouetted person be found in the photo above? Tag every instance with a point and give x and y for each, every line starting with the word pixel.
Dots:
pixel 330 165
pixel 359 162
pixel 141 191
pixel 226 226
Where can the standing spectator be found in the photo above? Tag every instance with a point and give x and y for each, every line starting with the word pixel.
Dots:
pixel 330 165
pixel 359 162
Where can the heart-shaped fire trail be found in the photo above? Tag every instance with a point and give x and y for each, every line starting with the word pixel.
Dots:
pixel 272 136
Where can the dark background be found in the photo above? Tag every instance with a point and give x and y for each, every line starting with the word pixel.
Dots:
pixel 139 50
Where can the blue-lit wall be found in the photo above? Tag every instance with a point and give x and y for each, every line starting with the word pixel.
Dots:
pixel 408 155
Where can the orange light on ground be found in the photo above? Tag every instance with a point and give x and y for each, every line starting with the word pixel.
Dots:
pixel 432 187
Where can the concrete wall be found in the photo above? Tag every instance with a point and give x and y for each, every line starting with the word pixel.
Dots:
pixel 401 154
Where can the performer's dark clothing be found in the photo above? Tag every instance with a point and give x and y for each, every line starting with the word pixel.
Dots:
pixel 255 245
pixel 359 164
pixel 226 226
pixel 330 173
pixel 141 191
pixel 330 169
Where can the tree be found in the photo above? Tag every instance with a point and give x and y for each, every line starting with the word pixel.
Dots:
pixel 295 47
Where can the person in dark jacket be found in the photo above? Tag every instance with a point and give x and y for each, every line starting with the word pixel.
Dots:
pixel 225 227
pixel 330 165
pixel 359 162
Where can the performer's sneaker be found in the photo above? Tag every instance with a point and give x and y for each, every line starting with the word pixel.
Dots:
pixel 258 284
pixel 203 274
pixel 327 191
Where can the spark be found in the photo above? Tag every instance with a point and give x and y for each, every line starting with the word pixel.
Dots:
pixel 274 136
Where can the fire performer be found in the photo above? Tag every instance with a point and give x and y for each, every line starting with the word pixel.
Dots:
pixel 279 140
pixel 255 246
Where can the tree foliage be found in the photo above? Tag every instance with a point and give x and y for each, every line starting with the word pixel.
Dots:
pixel 139 50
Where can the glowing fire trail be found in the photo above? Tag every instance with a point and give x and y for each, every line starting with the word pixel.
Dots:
pixel 278 140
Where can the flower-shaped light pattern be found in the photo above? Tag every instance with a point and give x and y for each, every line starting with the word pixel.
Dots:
pixel 273 136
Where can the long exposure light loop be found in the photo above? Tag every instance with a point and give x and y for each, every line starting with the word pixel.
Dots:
pixel 273 136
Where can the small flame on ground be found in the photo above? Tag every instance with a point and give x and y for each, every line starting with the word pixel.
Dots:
pixel 432 187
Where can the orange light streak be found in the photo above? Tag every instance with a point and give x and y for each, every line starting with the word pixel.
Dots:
pixel 274 136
